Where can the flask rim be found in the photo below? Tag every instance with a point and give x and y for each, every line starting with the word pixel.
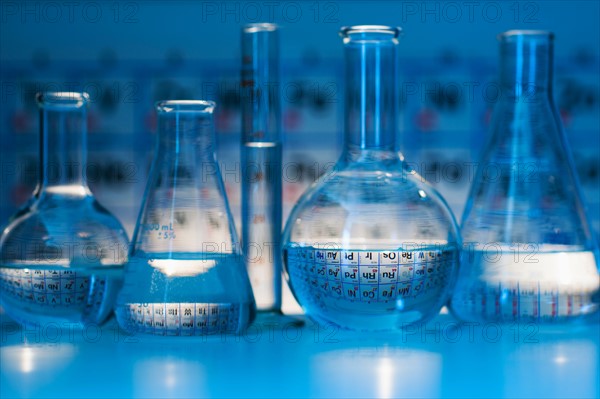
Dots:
pixel 370 33
pixel 195 106
pixel 525 33
pixel 62 99
pixel 260 27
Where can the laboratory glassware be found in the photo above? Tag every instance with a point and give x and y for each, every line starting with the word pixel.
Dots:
pixel 185 274
pixel 62 254
pixel 370 245
pixel 261 163
pixel 529 252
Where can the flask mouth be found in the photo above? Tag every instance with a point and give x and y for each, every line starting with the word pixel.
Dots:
pixel 192 106
pixel 513 35
pixel 62 99
pixel 259 27
pixel 370 33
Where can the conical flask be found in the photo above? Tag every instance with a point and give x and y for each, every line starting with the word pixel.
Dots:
pixel 371 246
pixel 185 275
pixel 529 252
pixel 62 254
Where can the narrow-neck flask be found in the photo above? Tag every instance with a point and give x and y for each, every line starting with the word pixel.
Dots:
pixel 371 246
pixel 62 254
pixel 261 163
pixel 529 251
pixel 185 274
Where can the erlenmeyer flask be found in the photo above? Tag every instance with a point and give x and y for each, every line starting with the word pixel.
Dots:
pixel 371 246
pixel 186 275
pixel 529 252
pixel 62 255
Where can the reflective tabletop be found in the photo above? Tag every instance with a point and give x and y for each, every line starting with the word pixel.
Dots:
pixel 278 358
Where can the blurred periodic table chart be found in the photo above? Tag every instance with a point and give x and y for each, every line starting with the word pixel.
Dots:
pixel 445 111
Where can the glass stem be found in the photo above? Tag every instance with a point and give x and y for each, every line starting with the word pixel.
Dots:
pixel 371 94
pixel 526 66
pixel 526 81
pixel 63 149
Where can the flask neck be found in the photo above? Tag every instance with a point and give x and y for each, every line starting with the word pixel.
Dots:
pixel 63 144
pixel 371 88
pixel 526 64
pixel 186 130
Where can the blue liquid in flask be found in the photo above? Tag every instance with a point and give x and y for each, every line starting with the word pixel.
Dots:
pixel 370 289
pixel 45 294
pixel 527 283
pixel 185 294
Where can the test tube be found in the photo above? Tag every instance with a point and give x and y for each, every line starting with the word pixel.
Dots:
pixel 261 163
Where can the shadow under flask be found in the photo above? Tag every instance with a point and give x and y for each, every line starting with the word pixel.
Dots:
pixel 529 251
pixel 370 245
pixel 62 254
pixel 186 274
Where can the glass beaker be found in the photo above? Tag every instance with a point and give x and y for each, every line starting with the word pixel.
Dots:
pixel 371 246
pixel 186 274
pixel 261 163
pixel 529 251
pixel 62 254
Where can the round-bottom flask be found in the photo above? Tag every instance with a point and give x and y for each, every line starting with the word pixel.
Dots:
pixel 62 254
pixel 371 246
pixel 186 275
